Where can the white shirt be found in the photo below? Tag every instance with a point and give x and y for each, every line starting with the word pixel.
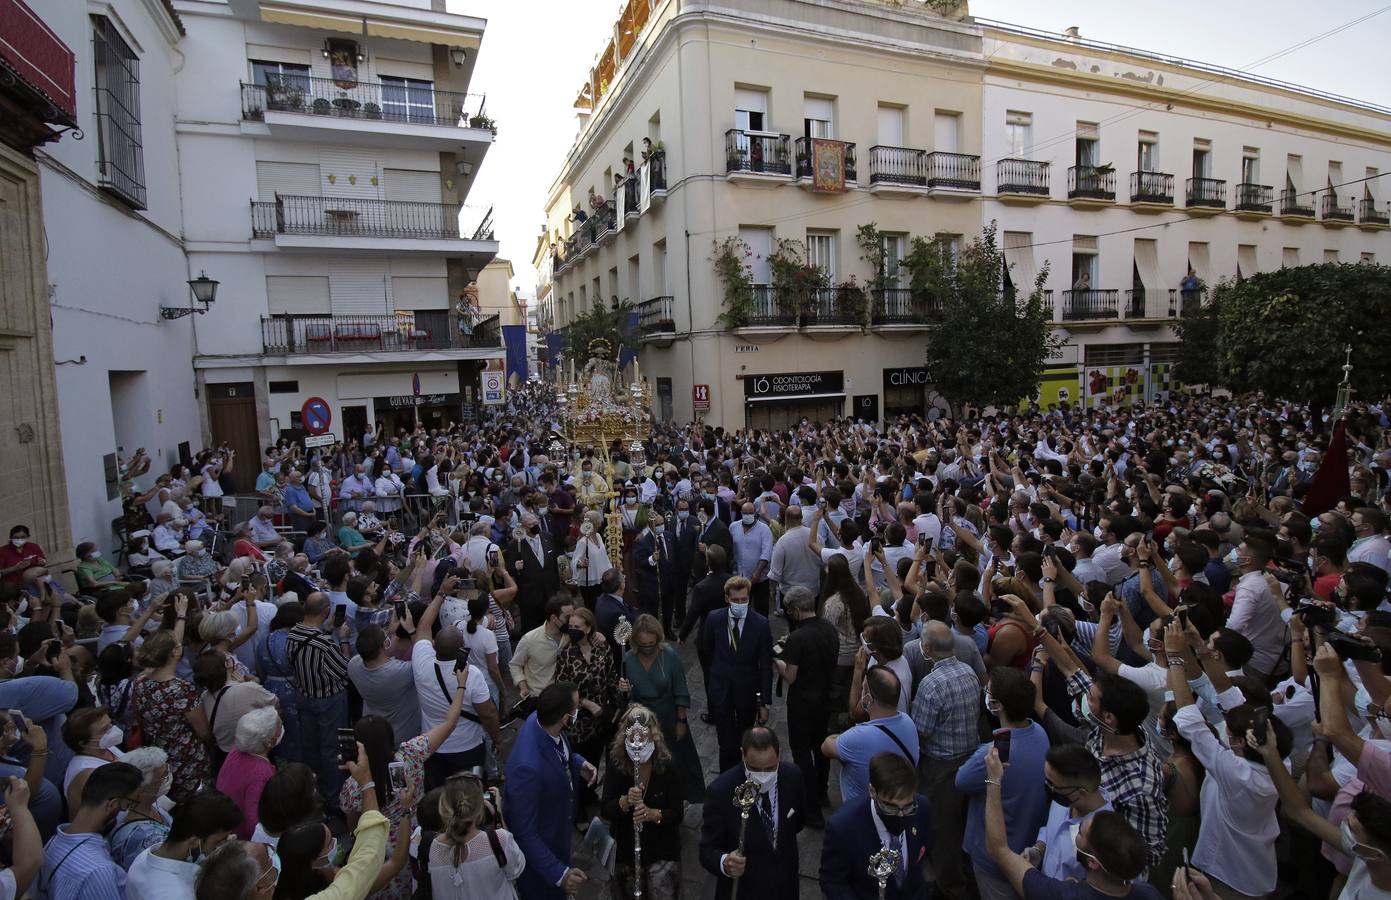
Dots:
pixel 480 644
pixel 321 481
pixel 263 531
pixel 434 704
pixel 1108 559
pixel 596 559
pixel 1236 840
pixel 1374 549
pixel 156 878
pixel 476 551
pixel 168 539
pixel 1256 616
pixel 928 524
pixel 1086 571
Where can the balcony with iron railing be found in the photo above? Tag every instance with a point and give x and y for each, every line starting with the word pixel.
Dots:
pixel 1206 194
pixel 1091 184
pixel 628 190
pixel 655 317
pixel 1186 303
pixel 290 335
pixel 1150 303
pixel 1022 178
pixel 766 312
pixel 903 306
pixel 757 153
pixel 1292 206
pixel 1152 188
pixel 1090 305
pixel 834 306
pixel 936 171
pixel 804 161
pixel 652 178
pixel 1333 213
pixel 1254 198
pixel 357 105
pixel 1370 215
pixel 363 217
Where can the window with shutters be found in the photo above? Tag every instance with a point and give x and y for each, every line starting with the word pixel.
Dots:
pixel 408 99
pixel 276 74
pixel 1019 129
pixel 750 109
pixel 893 247
pixel 821 252
pixel 120 156
pixel 1148 155
pixel 818 117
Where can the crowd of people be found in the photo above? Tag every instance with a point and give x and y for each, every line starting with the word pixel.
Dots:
pixel 1054 653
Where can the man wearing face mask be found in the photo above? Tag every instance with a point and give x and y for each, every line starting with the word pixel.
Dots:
pixel 531 560
pixel 893 815
pixel 76 861
pixel 753 553
pixel 655 561
pixel 1107 848
pixel 1255 609
pixel 1072 779
pixel 739 644
pixel 167 871
pixel 767 868
pixel 711 530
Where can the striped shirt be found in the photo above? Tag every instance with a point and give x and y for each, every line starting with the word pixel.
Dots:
pixel 79 866
pixel 320 669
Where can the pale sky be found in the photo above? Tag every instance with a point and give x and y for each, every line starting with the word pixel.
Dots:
pixel 536 54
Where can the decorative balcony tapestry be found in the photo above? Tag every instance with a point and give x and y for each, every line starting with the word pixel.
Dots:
pixel 342 59
pixel 827 166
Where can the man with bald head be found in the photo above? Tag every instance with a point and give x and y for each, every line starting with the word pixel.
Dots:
pixel 319 672
pixel 434 659
pixel 531 560
pixel 945 712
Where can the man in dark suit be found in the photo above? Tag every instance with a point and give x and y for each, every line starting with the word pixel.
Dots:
pixel 655 562
pixel 707 596
pixel 740 646
pixel 894 815
pixel 543 770
pixel 684 529
pixel 610 608
pixel 710 532
pixel 532 562
pixel 767 867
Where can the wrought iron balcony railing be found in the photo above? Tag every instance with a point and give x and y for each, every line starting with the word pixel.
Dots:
pixel 654 316
pixel 1151 187
pixel 360 217
pixel 953 170
pixel 1293 204
pixel 1369 214
pixel 1091 183
pixel 767 312
pixel 1021 176
pixel 1149 303
pixel 1333 211
pixel 900 306
pixel 1207 192
pixel 404 331
pixel 1089 305
pixel 919 168
pixel 364 100
pixel 1254 197
pixel 758 153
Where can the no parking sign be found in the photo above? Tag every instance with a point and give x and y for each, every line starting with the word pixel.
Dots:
pixel 315 415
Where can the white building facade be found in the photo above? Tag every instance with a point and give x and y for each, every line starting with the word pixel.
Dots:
pixel 327 150
pixel 113 219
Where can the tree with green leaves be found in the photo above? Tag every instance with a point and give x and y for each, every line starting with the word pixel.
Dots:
pixel 601 321
pixel 1284 333
pixel 992 340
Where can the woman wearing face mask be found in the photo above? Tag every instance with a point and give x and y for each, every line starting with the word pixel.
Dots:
pixel 94 742
pixel 168 710
pixel 19 554
pixel 652 794
pixel 586 661
pixel 144 823
pixel 227 696
pixel 93 572
pixel 590 559
pixel 1183 778
pixel 307 850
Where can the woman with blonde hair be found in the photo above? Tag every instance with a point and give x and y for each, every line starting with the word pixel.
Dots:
pixel 469 861
pixel 648 791
pixel 654 676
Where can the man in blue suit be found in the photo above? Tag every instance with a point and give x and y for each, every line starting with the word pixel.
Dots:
pixel 541 772
pixel 739 645
pixel 609 608
pixel 767 867
pixel 894 815
pixel 654 557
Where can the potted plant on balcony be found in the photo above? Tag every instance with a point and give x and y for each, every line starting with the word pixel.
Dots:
pixel 482 121
pixel 321 106
pixel 283 95
pixel 371 110
pixel 731 260
pixel 795 281
pixel 853 301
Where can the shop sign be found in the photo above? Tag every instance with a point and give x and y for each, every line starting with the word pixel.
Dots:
pixel 906 376
pixel 406 401
pixel 793 384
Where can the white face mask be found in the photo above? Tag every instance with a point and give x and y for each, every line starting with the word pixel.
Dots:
pixel 19 542
pixel 112 738
pixel 646 752
pixel 764 780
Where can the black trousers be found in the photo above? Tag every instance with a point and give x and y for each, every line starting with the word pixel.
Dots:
pixel 759 596
pixel 440 766
pixel 730 724
pixel 590 593
pixel 806 729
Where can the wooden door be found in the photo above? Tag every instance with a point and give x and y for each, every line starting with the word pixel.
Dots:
pixel 232 413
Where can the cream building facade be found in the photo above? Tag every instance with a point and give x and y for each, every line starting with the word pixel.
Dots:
pixel 930 121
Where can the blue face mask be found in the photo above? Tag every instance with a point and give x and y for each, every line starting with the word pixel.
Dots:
pixel 683 514
pixel 1231 558
pixel 738 610
pixel 747 519
pixel 658 529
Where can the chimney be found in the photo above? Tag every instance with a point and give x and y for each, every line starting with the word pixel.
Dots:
pixel 1071 32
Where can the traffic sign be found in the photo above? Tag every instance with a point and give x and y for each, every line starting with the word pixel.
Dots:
pixel 700 396
pixel 493 388
pixel 315 415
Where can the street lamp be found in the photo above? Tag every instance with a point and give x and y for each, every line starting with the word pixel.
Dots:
pixel 203 290
pixel 459 55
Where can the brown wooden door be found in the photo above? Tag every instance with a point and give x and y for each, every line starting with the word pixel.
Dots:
pixel 232 413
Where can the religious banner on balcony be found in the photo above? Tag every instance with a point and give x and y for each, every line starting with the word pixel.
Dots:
pixel 644 188
pixel 620 205
pixel 827 166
